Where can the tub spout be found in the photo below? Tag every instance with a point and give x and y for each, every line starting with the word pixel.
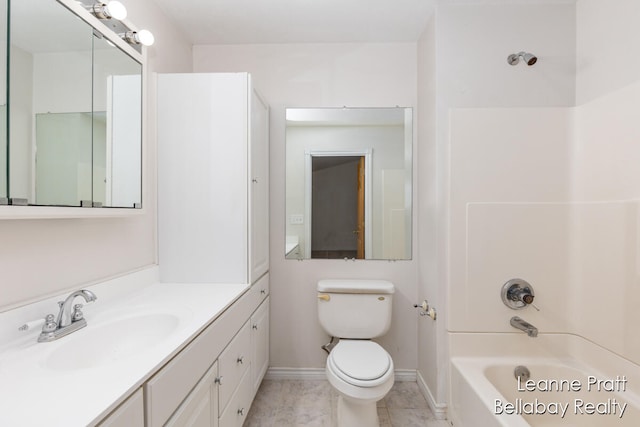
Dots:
pixel 525 326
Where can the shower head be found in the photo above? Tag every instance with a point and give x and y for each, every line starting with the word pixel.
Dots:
pixel 528 58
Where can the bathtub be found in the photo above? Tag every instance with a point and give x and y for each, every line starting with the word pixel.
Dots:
pixel 573 382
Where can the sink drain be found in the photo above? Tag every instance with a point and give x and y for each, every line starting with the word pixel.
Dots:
pixel 522 373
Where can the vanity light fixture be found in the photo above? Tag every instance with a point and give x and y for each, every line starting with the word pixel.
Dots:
pixel 113 9
pixel 143 37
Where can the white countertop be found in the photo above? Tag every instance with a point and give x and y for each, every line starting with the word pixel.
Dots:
pixel 36 386
pixel 291 243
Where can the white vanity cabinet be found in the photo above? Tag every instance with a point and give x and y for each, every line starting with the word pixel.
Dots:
pixel 213 179
pixel 212 381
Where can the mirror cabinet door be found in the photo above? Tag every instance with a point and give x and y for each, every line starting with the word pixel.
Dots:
pixel 71 131
pixel 117 130
pixel 50 104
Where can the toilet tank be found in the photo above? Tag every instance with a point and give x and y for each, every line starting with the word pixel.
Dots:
pixel 359 309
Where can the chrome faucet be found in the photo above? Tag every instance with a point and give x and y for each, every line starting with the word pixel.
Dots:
pixel 525 326
pixel 68 320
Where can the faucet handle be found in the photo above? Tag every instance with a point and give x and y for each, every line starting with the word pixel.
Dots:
pixel 49 324
pixel 77 313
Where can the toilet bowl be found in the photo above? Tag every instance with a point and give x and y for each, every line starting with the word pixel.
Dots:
pixel 362 373
pixel 358 368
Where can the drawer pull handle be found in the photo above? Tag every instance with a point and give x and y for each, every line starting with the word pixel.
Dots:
pixel 218 380
pixel 255 326
pixel 240 360
pixel 241 411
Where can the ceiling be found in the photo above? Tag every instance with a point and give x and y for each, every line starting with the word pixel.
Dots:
pixel 298 21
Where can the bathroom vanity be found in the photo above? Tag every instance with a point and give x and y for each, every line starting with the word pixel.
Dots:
pixel 151 354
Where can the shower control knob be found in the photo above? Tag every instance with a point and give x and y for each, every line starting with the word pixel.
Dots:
pixel 517 294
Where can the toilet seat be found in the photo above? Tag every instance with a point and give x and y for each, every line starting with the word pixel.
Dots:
pixel 361 363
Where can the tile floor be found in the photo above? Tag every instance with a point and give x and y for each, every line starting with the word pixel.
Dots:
pixel 312 403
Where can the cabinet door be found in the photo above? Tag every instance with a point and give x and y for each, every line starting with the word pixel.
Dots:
pixel 259 187
pixel 199 408
pixel 236 412
pixel 128 414
pixel 203 171
pixel 260 343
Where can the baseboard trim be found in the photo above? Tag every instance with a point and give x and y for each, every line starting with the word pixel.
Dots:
pixel 295 374
pixel 319 374
pixel 438 409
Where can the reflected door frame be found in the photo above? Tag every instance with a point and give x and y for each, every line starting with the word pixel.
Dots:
pixel 308 173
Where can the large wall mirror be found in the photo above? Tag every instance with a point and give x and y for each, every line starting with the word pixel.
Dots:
pixel 348 183
pixel 74 112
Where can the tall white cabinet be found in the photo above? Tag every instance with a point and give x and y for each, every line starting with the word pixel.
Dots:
pixel 213 179
pixel 213 227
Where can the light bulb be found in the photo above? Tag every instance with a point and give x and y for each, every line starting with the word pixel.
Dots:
pixel 116 10
pixel 145 37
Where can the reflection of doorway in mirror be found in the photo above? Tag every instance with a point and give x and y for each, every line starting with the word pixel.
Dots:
pixel 337 207
pixel 338 204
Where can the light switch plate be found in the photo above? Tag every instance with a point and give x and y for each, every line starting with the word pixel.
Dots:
pixel 296 219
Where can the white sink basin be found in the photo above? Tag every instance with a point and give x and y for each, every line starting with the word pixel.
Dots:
pixel 108 342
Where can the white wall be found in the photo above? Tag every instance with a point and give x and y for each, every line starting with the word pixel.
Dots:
pixel 607 43
pixel 322 75
pixel 474 40
pixel 44 257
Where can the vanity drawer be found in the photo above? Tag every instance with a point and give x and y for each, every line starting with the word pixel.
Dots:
pixel 259 291
pixel 233 363
pixel 168 388
pixel 236 412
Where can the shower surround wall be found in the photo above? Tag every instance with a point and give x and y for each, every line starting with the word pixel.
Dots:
pixel 551 195
pixel 462 57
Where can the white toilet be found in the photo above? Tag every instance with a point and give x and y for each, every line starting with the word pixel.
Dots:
pixel 359 369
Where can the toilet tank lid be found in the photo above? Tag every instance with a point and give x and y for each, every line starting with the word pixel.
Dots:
pixel 356 286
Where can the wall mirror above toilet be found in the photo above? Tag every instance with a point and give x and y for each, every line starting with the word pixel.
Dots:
pixel 71 131
pixel 348 183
